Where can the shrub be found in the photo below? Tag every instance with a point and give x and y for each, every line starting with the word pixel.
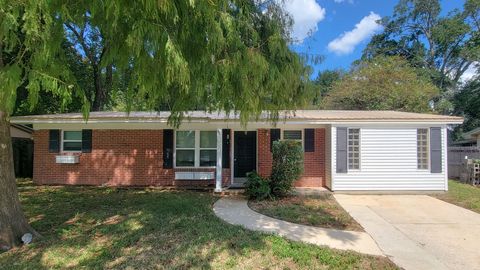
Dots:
pixel 287 166
pixel 257 187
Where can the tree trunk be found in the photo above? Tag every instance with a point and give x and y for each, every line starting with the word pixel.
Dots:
pixel 99 98
pixel 13 223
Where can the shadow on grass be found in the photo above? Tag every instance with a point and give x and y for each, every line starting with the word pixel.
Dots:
pixel 91 227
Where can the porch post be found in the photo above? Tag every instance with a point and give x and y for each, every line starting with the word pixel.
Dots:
pixel 218 170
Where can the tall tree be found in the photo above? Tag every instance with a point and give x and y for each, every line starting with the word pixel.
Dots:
pixel 324 83
pixel 382 83
pixel 89 42
pixel 467 104
pixel 231 55
pixel 444 46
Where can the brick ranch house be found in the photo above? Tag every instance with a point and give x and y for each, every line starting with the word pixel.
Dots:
pixel 344 150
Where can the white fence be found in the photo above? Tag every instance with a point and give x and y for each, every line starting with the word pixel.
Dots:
pixel 456 158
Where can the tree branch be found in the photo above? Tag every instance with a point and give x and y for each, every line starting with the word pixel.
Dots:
pixel 1 54
pixel 82 42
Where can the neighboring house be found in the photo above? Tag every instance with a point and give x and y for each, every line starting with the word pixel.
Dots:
pixel 22 146
pixel 21 131
pixel 344 150
pixel 471 138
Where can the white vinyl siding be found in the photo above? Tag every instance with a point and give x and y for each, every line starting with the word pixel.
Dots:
pixel 388 162
pixel 328 154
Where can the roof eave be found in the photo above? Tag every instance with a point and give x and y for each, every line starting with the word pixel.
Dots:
pixel 206 120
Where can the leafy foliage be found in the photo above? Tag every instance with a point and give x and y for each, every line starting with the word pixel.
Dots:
pixel 383 83
pixel 467 104
pixel 324 83
pixel 441 47
pixel 230 55
pixel 445 45
pixel 257 187
pixel 287 166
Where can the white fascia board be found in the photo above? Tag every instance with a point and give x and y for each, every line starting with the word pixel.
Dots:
pixel 163 123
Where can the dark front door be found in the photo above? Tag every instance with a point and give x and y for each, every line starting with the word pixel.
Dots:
pixel 245 153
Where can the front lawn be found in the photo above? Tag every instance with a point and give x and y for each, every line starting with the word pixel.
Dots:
pixel 463 195
pixel 108 228
pixel 319 210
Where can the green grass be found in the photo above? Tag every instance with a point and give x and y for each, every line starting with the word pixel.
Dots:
pixel 320 210
pixel 463 195
pixel 107 228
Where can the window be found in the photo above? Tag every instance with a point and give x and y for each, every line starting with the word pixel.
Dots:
pixel 292 135
pixel 185 148
pixel 195 148
pixel 353 148
pixel 422 149
pixel 72 141
pixel 208 148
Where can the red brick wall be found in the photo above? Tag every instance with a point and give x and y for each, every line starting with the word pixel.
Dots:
pixel 264 156
pixel 118 158
pixel 314 162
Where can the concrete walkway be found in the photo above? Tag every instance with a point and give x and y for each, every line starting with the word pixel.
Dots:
pixel 236 211
pixel 418 231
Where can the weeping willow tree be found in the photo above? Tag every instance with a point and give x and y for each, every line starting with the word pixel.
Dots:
pixel 230 55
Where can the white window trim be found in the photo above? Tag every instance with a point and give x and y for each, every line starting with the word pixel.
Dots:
pixel 196 151
pixel 359 151
pixel 428 149
pixel 62 140
pixel 296 129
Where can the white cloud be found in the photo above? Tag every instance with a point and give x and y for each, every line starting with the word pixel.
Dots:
pixel 341 1
pixel 346 42
pixel 470 72
pixel 306 14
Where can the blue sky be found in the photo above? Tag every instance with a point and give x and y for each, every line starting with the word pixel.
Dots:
pixel 340 29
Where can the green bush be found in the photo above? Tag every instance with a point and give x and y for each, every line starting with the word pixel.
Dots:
pixel 287 166
pixel 257 187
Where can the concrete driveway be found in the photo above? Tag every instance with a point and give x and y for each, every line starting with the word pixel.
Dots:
pixel 418 231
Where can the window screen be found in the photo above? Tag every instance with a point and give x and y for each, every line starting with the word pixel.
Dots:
pixel 185 149
pixel 292 135
pixel 208 148
pixel 72 141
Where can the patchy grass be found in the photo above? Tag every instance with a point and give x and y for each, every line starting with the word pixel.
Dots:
pixel 108 228
pixel 319 210
pixel 463 195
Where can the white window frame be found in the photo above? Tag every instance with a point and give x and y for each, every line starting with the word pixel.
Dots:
pixel 196 151
pixel 359 150
pixel 428 149
pixel 293 129
pixel 62 140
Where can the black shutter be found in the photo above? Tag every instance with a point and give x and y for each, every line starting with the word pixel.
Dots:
pixel 309 143
pixel 274 136
pixel 54 141
pixel 86 140
pixel 435 150
pixel 341 150
pixel 168 148
pixel 226 148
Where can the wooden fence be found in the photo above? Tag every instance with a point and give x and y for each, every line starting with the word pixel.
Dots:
pixel 456 158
